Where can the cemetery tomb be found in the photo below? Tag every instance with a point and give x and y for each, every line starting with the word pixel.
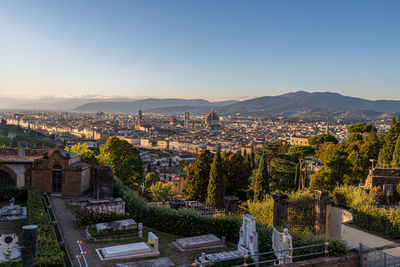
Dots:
pixel 12 212
pixel 9 248
pixel 130 251
pixel 116 225
pixel 220 256
pixel 159 262
pixel 201 242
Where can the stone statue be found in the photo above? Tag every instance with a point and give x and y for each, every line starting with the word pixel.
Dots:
pixel 282 245
pixel 12 200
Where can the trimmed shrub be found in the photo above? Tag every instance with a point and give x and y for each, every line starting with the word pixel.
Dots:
pixel 185 222
pixel 19 194
pixel 366 213
pixel 84 218
pixel 48 252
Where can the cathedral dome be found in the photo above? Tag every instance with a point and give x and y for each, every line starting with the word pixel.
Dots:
pixel 212 116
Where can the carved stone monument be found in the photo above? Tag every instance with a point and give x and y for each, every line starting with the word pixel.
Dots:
pixel 9 248
pixel 248 239
pixel 282 245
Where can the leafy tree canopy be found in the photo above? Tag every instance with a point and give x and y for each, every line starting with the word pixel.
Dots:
pixel 360 128
pixel 321 139
pixel 125 160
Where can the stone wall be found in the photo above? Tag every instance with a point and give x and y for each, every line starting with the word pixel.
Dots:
pixel 382 176
pixel 116 206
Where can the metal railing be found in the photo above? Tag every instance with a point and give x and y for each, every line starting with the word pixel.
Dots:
pixel 81 256
pixel 254 259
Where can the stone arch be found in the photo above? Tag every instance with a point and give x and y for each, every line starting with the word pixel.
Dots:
pixel 6 173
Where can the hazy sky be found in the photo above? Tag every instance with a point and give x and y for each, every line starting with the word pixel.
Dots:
pixel 211 49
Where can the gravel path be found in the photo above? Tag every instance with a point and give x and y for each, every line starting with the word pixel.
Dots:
pixel 71 233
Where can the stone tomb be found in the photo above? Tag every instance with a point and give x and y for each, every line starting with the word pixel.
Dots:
pixel 220 256
pixel 248 244
pixel 201 242
pixel 248 239
pixel 116 225
pixel 9 248
pixel 12 212
pixel 130 251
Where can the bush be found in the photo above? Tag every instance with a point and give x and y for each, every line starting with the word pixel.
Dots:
pixel 185 222
pixel 84 218
pixel 19 194
pixel 93 232
pixel 348 196
pixel 48 252
pixel 300 210
pixel 366 213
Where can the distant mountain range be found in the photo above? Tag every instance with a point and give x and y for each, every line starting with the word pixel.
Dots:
pixel 296 104
pixel 151 104
pixel 305 102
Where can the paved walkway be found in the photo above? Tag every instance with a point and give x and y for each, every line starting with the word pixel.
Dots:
pixel 71 233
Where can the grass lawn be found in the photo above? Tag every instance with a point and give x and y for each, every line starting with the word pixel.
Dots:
pixel 166 250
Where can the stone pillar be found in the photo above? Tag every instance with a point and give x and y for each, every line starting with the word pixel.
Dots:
pixel 28 251
pixel 231 205
pixel 320 198
pixel 280 209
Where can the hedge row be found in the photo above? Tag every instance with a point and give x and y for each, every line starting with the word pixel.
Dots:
pixel 366 213
pixel 19 194
pixel 48 252
pixel 184 222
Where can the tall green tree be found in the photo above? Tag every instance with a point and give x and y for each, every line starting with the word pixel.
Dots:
pixel 396 155
pixel 237 174
pixel 320 139
pixel 300 152
pixel 216 185
pixel 124 159
pixel 261 182
pixel 386 153
pixel 162 191
pixel 198 175
pixel 86 153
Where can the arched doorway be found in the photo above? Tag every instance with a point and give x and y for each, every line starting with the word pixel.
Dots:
pixel 6 180
pixel 56 178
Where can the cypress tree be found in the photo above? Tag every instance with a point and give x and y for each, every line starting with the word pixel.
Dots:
pixel 216 184
pixel 396 155
pixel 296 176
pixel 261 183
pixel 386 153
pixel 198 175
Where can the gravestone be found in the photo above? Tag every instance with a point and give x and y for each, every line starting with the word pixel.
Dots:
pixel 127 224
pixel 201 242
pixel 9 248
pixel 130 251
pixel 220 256
pixel 140 230
pixel 248 239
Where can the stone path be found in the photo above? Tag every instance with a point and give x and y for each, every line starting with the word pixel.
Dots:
pixel 71 233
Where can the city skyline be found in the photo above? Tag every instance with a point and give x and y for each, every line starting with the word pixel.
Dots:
pixel 212 50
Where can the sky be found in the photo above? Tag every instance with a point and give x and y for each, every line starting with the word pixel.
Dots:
pixel 211 49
